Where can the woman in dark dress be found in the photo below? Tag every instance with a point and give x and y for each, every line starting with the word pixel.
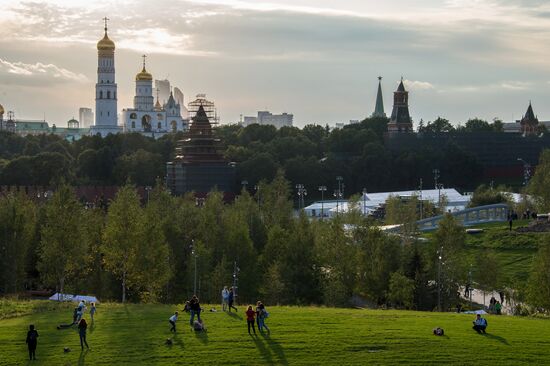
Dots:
pixel 32 341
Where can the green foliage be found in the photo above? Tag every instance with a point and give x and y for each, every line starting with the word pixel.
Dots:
pixel 484 195
pixel 538 293
pixel 123 237
pixel 62 246
pixel 18 219
pixel 401 290
pixel 487 271
pixel 539 183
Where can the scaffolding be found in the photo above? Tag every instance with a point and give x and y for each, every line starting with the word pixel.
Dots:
pixel 208 106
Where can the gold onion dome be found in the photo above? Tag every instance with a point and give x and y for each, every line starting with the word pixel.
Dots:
pixel 144 75
pixel 1 109
pixel 105 44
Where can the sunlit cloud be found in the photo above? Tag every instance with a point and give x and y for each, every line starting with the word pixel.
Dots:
pixel 39 71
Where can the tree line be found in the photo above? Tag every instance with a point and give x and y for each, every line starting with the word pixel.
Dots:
pixel 150 251
pixel 312 156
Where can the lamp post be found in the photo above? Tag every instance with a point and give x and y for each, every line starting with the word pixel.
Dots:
pixel 235 279
pixel 194 254
pixel 439 257
pixel 148 189
pixel 244 183
pixel 257 189
pixel 339 193
pixel 322 189
pixel 526 171
pixel 436 176
pixel 421 203
pixel 439 187
pixel 302 192
pixel 365 202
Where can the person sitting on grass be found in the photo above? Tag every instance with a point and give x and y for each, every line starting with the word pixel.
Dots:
pixel 480 324
pixel 173 319
pixel 32 340
pixel 250 313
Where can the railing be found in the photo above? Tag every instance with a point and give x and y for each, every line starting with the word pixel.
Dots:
pixel 470 216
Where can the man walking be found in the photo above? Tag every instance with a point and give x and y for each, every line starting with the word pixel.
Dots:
pixel 225 298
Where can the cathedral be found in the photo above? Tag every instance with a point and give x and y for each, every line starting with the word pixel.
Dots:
pixel 146 116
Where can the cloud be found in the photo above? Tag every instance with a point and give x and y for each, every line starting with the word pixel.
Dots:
pixel 37 73
pixel 418 85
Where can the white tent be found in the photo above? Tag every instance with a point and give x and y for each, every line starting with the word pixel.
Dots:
pixel 75 298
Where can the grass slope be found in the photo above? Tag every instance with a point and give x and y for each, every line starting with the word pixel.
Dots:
pixel 135 335
pixel 513 250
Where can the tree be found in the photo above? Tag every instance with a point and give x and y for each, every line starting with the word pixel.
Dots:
pixel 17 225
pixel 488 272
pixel 62 248
pixel 401 290
pixel 123 237
pixel 477 125
pixel 448 260
pixel 539 183
pixel 438 126
pixel 538 292
pixel 484 195
pixel 403 212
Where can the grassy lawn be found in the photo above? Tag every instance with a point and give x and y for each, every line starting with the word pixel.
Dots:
pixel 136 334
pixel 514 250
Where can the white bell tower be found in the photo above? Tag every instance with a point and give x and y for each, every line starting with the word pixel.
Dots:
pixel 105 88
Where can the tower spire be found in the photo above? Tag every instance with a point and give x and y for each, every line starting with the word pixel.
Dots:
pixel 105 20
pixel 379 107
pixel 144 56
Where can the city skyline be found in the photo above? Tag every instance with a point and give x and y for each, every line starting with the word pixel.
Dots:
pixel 461 59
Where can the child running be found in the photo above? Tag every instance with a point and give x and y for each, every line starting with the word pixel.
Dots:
pixel 92 311
pixel 173 319
pixel 82 325
pixel 250 313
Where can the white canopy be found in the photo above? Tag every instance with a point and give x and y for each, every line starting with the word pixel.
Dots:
pixel 75 298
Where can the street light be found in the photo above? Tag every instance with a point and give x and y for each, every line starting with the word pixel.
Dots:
pixel 421 203
pixel 440 257
pixel 339 193
pixel 322 189
pixel 436 176
pixel 194 254
pixel 439 187
pixel 302 192
pixel 244 183
pixel 257 189
pixel 148 189
pixel 526 171
pixel 235 280
pixel 365 201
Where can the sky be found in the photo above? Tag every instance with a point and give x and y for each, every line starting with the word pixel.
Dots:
pixel 317 59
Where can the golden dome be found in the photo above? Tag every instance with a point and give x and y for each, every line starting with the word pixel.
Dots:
pixel 105 44
pixel 1 109
pixel 144 75
pixel 158 107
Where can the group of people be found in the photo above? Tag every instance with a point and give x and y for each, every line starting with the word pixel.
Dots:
pixel 260 314
pixel 78 320
pixel 253 317
pixel 228 299
pixel 193 307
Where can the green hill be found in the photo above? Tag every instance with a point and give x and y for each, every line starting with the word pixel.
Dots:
pixel 513 250
pixel 136 335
